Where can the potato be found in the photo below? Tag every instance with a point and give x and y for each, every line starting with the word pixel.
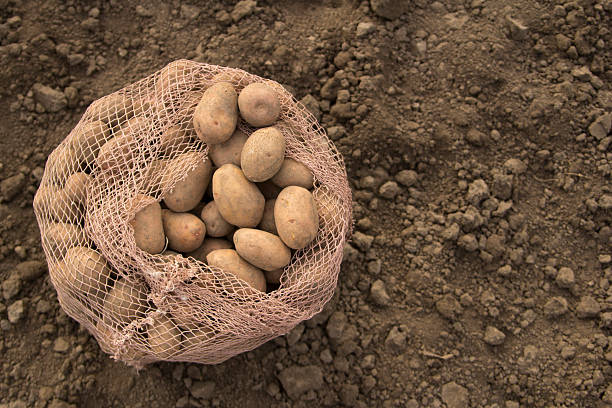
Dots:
pixel 57 204
pixel 87 142
pixel 216 226
pixel 117 154
pixel 259 105
pixel 274 276
pixel 113 109
pixel 216 115
pixel 188 192
pixel 185 232
pixel 229 151
pixel 238 200
pixel 148 226
pixel 229 261
pixel 263 153
pixel 126 301
pixel 261 249
pixel 173 139
pixel 233 77
pixel 44 199
pixel 326 208
pixel 267 221
pixel 131 350
pixel 196 337
pixel 61 236
pixel 154 175
pixel 62 163
pixel 164 337
pixel 293 173
pixel 295 214
pixel 87 272
pixel 209 245
pixel 269 189
pixel 171 77
pixel 76 187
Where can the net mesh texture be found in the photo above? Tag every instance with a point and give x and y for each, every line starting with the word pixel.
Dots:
pixel 143 308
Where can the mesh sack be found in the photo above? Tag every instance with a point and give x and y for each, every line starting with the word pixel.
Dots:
pixel 144 308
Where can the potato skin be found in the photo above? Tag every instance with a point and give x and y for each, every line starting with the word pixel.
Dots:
pixel 188 192
pixel 326 207
pixel 87 142
pixel 293 173
pixel 263 153
pixel 87 273
pixel 164 337
pixel 238 200
pixel 114 155
pixel 185 232
pixel 148 226
pixel 126 301
pixel 216 114
pixel 229 261
pixel 76 187
pixel 216 226
pixel 209 245
pixel 259 105
pixel 296 217
pixel 228 151
pixel 261 249
pixel 267 221
pixel 196 337
pixel 174 138
pixel 274 276
pixel 61 236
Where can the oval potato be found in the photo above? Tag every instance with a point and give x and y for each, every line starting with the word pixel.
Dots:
pixel 229 261
pixel 196 337
pixel 209 245
pixel 116 155
pixel 188 192
pixel 174 138
pixel 228 151
pixel 88 141
pixel 238 200
pixel 216 226
pixel 259 105
pixel 61 236
pixel 126 301
pixel 113 109
pixel 267 221
pixel 185 232
pixel 293 173
pixel 261 249
pixel 296 217
pixel 164 337
pixel 262 155
pixel 87 272
pixel 327 209
pixel 148 226
pixel 76 187
pixel 216 114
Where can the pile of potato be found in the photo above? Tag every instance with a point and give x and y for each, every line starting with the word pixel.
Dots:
pixel 261 206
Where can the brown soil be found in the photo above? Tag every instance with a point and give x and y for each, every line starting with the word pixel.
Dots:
pixel 478 178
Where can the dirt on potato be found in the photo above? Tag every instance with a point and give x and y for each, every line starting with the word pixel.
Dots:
pixel 477 141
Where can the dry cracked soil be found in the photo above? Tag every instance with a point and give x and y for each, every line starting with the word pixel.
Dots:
pixel 476 135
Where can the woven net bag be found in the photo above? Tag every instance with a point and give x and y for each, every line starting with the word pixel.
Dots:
pixel 144 308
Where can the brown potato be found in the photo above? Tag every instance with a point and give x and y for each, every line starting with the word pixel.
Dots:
pixel 228 151
pixel 269 189
pixel 126 301
pixel 171 77
pixel 274 276
pixel 263 153
pixel 164 337
pixel 209 245
pixel 113 109
pixel 116 155
pixel 229 261
pixel 87 272
pixel 148 226
pixel 233 77
pixel 76 187
pixel 267 221
pixel 259 105
pixel 216 226
pixel 173 139
pixel 131 350
pixel 44 200
pixel 295 214
pixel 238 200
pixel 62 163
pixel 87 142
pixel 61 236
pixel 196 337
pixel 327 208
pixel 216 115
pixel 188 192
pixel 185 232
pixel 293 173
pixel 155 175
pixel 261 249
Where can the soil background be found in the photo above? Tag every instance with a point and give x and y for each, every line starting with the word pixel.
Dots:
pixel 477 141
